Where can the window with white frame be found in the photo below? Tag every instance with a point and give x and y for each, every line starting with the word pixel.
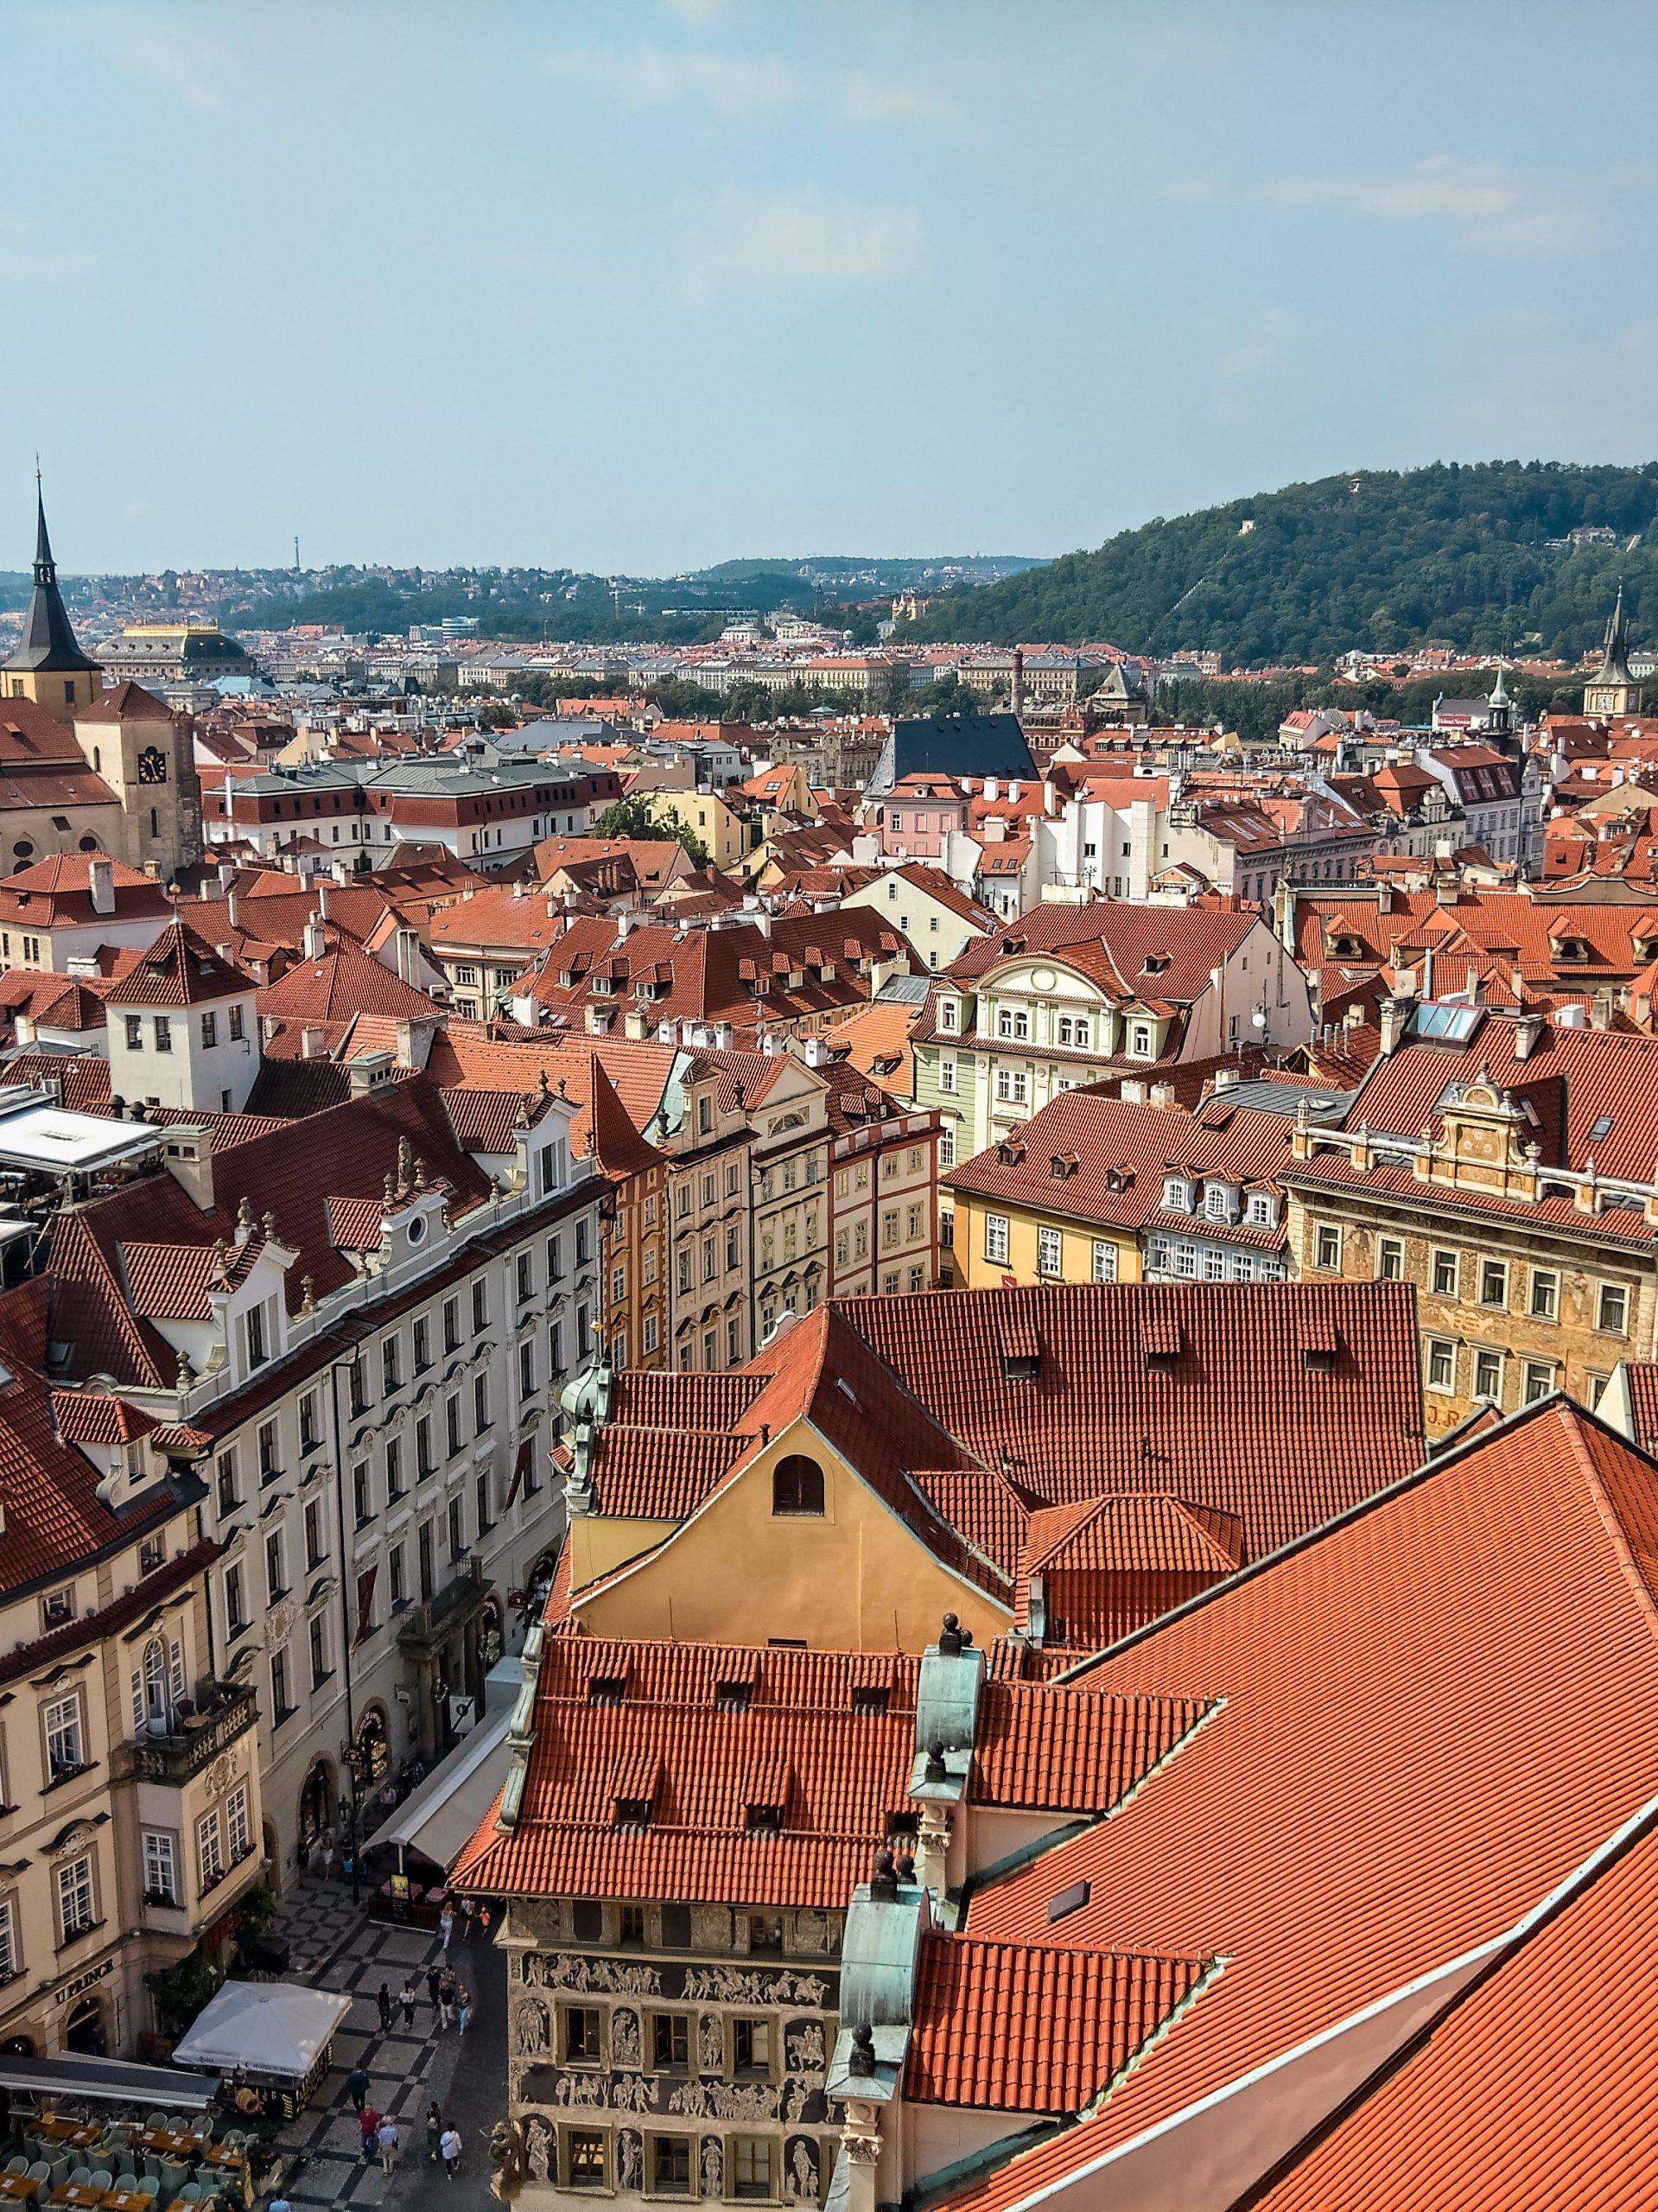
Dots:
pixel 9 1968
pixel 1049 1251
pixel 65 1740
pixel 76 1907
pixel 1105 1260
pixel 239 1834
pixel 1613 1308
pixel 995 1239
pixel 1441 1364
pixel 946 1145
pixel 1390 1259
pixel 1545 1295
pixel 947 1014
pixel 1487 1375
pixel 210 1850
pixel 1540 1381
pixel 947 1076
pixel 1262 1210
pixel 1327 1248
pixel 1177 1194
pixel 1142 1040
pixel 160 1868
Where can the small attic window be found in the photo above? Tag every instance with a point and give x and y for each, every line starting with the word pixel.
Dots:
pixel 1156 962
pixel 1603 1128
pixel 633 1813
pixel 1068 1901
pixel 871 1701
pixel 1063 1165
pixel 732 1697
pixel 763 1824
pixel 606 1689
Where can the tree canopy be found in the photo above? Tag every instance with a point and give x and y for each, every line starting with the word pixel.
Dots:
pixel 1478 556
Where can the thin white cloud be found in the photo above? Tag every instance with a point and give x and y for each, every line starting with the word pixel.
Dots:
pixel 768 241
pixel 864 99
pixel 26 259
pixel 1546 388
pixel 655 76
pixel 1487 206
pixel 151 48
pixel 696 13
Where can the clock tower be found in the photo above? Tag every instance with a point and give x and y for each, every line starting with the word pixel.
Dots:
pixel 146 754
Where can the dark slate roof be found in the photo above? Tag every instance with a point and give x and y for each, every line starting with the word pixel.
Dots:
pixel 47 643
pixel 953 745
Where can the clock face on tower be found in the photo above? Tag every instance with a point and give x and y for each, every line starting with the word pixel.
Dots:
pixel 152 765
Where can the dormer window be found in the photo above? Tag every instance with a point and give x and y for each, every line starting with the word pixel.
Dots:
pixel 1142 1040
pixel 947 1014
pixel 1217 1201
pixel 1262 1210
pixel 763 1824
pixel 1177 1194
pixel 633 1813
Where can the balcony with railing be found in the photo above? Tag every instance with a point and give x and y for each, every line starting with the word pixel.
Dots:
pixel 174 1753
pixel 433 1619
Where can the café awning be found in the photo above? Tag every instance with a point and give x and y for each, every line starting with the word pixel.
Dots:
pixel 117 2080
pixel 269 2027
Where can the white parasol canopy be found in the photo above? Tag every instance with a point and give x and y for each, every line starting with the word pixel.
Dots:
pixel 269 2027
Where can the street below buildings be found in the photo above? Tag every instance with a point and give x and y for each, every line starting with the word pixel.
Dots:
pixel 334 1946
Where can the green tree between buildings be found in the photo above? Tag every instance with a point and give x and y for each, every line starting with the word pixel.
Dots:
pixel 632 819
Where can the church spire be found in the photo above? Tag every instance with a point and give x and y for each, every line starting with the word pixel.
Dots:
pixel 47 649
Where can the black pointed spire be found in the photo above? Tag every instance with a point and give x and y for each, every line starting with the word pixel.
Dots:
pixel 47 645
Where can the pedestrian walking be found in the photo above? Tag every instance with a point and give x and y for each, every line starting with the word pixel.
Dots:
pixel 382 1998
pixel 466 1920
pixel 448 2145
pixel 434 1985
pixel 326 1855
pixel 368 2128
pixel 356 2088
pixel 433 2132
pixel 445 2003
pixel 406 1997
pixel 446 1926
pixel 483 1920
pixel 386 2136
pixel 463 2006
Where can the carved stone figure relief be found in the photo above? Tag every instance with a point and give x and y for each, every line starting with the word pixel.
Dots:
pixel 624 2037
pixel 630 2159
pixel 538 2139
pixel 532 2029
pixel 613 1977
pixel 801 2178
pixel 804 2043
pixel 711 2043
pixel 714 2166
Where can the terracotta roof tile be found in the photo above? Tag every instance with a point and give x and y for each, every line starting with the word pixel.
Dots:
pixel 1435 1710
pixel 1013 2027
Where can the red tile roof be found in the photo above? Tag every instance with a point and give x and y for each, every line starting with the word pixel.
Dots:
pixel 837 1775
pixel 180 968
pixel 1434 1711
pixel 345 981
pixel 1054 1747
pixel 1012 2027
pixel 1538 2088
pixel 1200 1389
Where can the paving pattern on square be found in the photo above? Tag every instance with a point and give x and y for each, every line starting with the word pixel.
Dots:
pixel 336 1950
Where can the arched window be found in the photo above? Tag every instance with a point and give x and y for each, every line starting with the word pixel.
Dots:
pixel 797 1485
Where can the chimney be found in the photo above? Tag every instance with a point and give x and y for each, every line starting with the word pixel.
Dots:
pixel 636 1026
pixel 101 878
pixel 1016 688
pixel 323 897
pixel 311 1044
pixel 226 875
pixel 815 1052
pixel 314 945
pixel 188 1160
pixel 1394 1014
pixel 1225 1078
pixel 408 948
pixel 1162 1094
pixel 1528 1035
pixel 991 787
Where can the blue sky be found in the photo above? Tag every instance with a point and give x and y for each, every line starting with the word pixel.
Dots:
pixel 643 286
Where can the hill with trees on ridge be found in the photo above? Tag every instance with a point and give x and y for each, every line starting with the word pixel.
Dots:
pixel 1478 556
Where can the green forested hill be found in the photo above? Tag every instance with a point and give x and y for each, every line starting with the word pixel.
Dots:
pixel 1476 556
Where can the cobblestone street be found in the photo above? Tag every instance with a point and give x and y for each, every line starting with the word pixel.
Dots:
pixel 334 1947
